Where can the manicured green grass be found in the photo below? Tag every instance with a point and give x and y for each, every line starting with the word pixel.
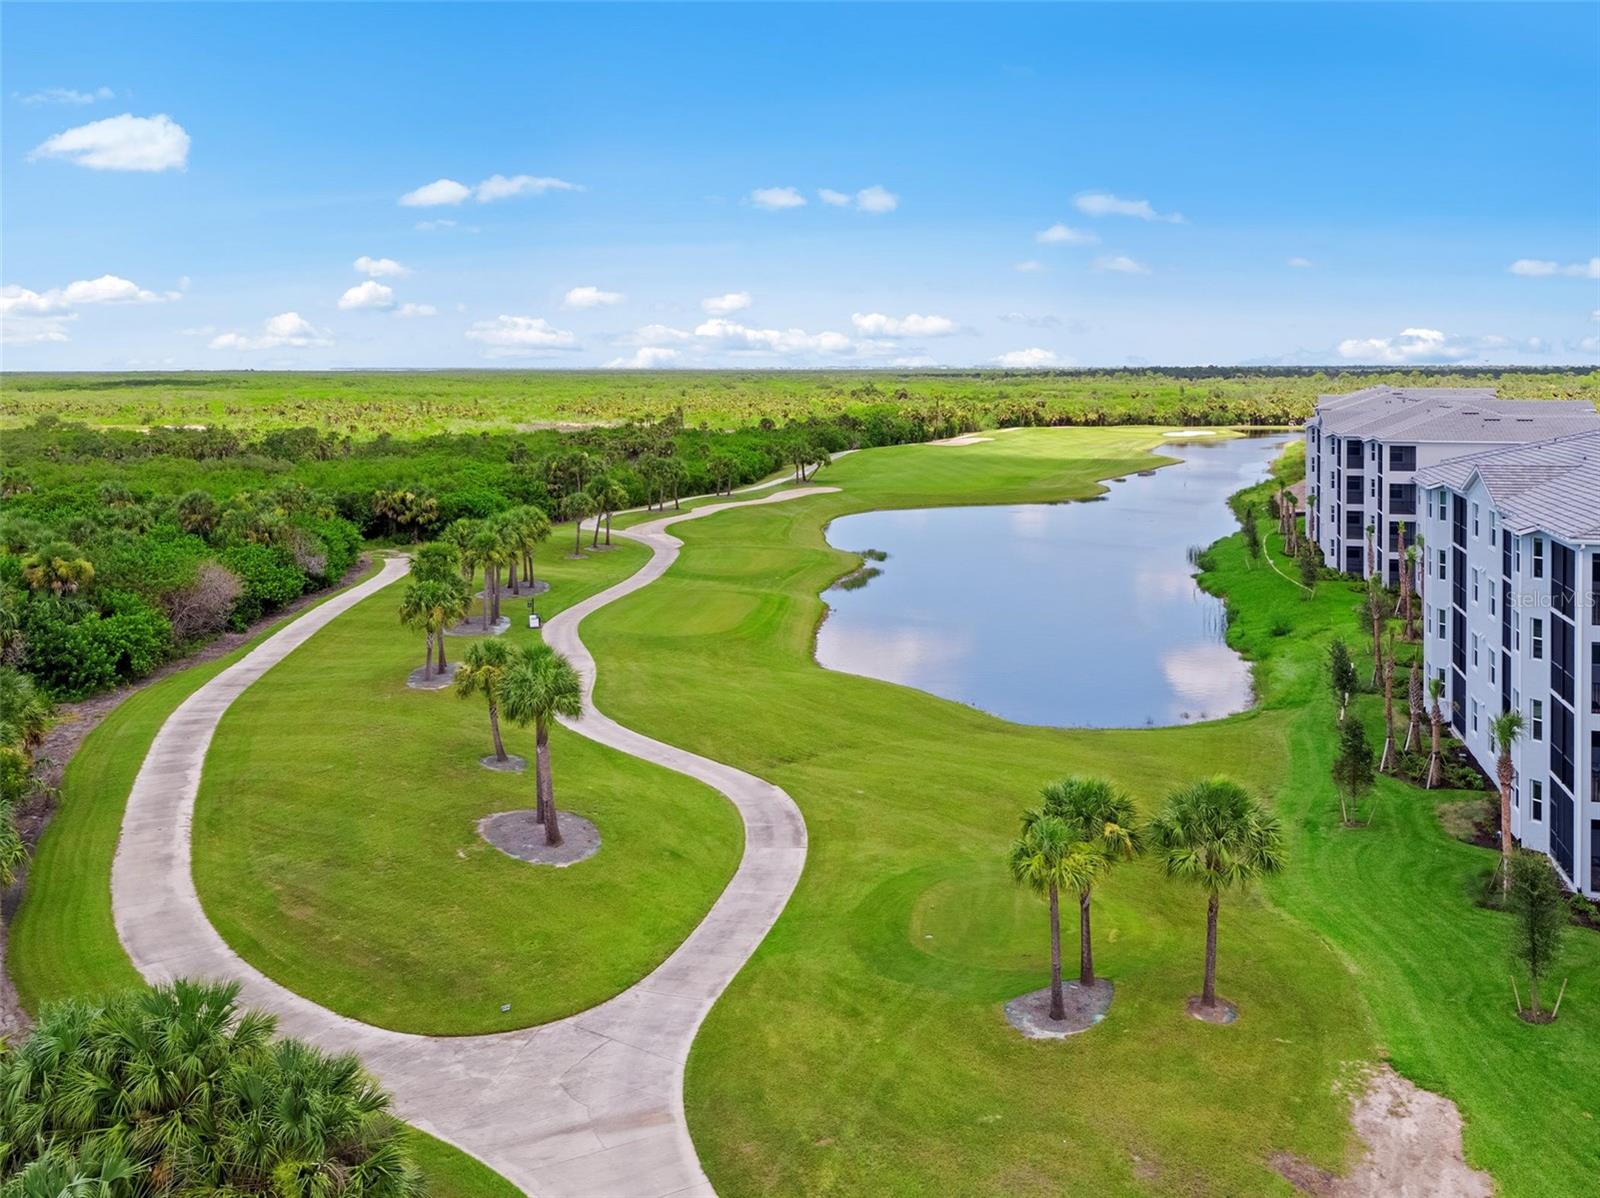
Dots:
pixel 451 1173
pixel 336 843
pixel 863 1050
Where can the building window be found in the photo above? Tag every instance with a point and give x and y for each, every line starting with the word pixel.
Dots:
pixel 1538 557
pixel 1476 573
pixel 1538 639
pixel 1441 565
pixel 1474 519
pixel 1494 527
pixel 1474 715
pixel 1493 611
pixel 1538 720
pixel 1516 794
pixel 1516 633
pixel 1474 650
pixel 1538 800
pixel 1441 624
pixel 1492 677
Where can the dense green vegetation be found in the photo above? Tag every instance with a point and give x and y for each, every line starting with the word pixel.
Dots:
pixel 338 859
pixel 176 1090
pixel 873 1007
pixel 362 404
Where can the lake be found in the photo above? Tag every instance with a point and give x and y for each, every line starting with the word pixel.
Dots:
pixel 1082 614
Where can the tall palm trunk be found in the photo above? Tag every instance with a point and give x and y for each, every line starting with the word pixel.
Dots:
pixel 1208 995
pixel 494 727
pixel 1386 762
pixel 440 637
pixel 511 576
pixel 1085 942
pixel 1507 775
pixel 1435 770
pixel 577 540
pixel 527 570
pixel 1414 702
pixel 552 827
pixel 486 598
pixel 608 530
pixel 1058 1002
pixel 495 592
pixel 427 657
pixel 594 542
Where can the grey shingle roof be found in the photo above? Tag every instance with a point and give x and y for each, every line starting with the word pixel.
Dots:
pixel 1549 486
pixel 1464 414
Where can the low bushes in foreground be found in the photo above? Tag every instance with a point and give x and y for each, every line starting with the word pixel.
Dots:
pixel 178 1091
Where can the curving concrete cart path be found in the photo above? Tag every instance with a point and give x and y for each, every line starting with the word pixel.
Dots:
pixel 590 1106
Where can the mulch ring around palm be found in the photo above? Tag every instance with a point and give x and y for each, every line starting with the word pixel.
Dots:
pixel 522 592
pixel 421 680
pixel 1222 1011
pixel 511 765
pixel 517 834
pixel 1085 1007
pixel 473 626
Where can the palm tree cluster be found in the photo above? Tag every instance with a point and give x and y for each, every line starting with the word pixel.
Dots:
pixel 176 1091
pixel 1211 833
pixel 25 715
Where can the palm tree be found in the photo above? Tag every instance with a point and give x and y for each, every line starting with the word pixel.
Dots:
pixel 1372 556
pixel 577 507
pixel 460 533
pixel 481 674
pixel 489 551
pixel 1414 707
pixel 1386 761
pixel 1046 859
pixel 431 606
pixel 25 711
pixel 539 685
pixel 1213 833
pixel 1102 819
pixel 1436 719
pixel 58 567
pixel 1375 610
pixel 1504 730
pixel 531 528
pixel 1408 575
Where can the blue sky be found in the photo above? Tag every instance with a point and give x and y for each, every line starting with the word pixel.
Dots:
pixel 194 186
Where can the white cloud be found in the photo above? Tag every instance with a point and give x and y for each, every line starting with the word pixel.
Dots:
pixel 370 294
pixel 380 268
pixel 66 95
pixel 655 334
pixel 1027 359
pixel 20 329
pixel 876 200
pixel 775 199
pixel 1059 234
pixel 121 143
pixel 1030 266
pixel 1412 345
pixel 519 336
pixel 726 305
pixel 107 289
pixel 1300 263
pixel 1121 264
pixel 428 226
pixel 1035 322
pixel 839 199
pixel 777 341
pixel 876 324
pixel 1595 315
pixel 1585 345
pixel 499 187
pixel 440 191
pixel 646 357
pixel 1100 203
pixel 1535 268
pixel 591 297
pixel 287 329
pixel 413 310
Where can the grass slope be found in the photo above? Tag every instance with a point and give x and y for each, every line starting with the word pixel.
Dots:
pixel 872 1010
pixel 336 843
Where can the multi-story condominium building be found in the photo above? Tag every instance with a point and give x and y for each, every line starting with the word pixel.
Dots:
pixel 1363 450
pixel 1511 603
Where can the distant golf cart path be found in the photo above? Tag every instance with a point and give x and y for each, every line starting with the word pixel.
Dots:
pixel 591 1105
